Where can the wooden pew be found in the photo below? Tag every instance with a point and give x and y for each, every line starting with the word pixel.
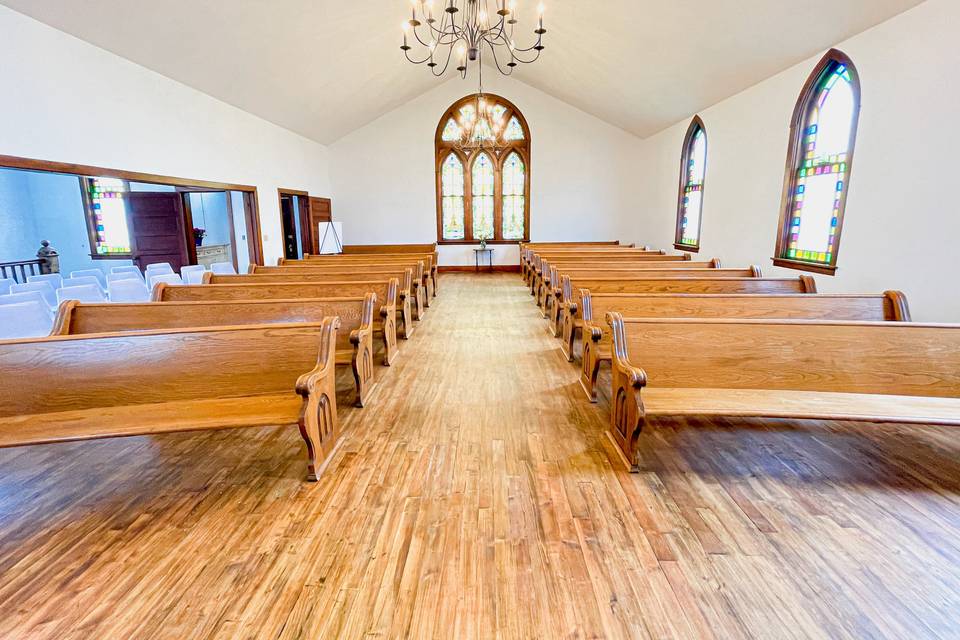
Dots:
pixel 806 369
pixel 351 249
pixel 410 284
pixel 538 269
pixel 430 261
pixel 148 382
pixel 550 278
pixel 890 306
pixel 570 321
pixel 528 254
pixel 354 346
pixel 384 320
pixel 399 299
pixel 526 249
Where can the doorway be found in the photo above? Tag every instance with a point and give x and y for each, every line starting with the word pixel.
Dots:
pixel 295 219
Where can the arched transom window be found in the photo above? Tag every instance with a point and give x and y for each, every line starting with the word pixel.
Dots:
pixel 483 181
pixel 693 170
pixel 823 133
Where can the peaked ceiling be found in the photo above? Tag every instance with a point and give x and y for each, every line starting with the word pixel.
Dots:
pixel 323 68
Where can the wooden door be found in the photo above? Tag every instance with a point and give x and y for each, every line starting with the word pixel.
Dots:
pixel 156 229
pixel 320 211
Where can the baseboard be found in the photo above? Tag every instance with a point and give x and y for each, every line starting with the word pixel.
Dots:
pixel 499 268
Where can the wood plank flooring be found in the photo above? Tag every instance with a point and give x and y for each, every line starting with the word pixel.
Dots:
pixel 476 496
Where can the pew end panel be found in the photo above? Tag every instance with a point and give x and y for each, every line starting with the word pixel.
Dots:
pixel 318 422
pixel 627 411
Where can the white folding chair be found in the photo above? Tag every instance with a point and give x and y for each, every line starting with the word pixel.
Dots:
pixel 130 268
pixel 80 280
pixel 96 273
pixel 83 293
pixel 27 296
pixel 192 273
pixel 169 278
pixel 128 290
pixel 223 268
pixel 156 269
pixel 55 279
pixel 43 288
pixel 125 275
pixel 5 284
pixel 24 320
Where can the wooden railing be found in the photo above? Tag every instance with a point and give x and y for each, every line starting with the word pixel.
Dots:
pixel 20 269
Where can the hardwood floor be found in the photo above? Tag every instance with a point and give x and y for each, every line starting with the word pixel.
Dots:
pixel 476 496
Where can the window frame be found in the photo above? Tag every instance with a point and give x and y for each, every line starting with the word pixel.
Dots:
pixel 86 182
pixel 685 154
pixel 443 148
pixel 798 121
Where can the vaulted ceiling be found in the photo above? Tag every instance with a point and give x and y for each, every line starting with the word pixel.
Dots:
pixel 323 68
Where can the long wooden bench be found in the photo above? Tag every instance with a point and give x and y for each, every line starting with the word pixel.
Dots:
pixel 806 369
pixel 527 249
pixel 541 261
pixel 553 289
pixel 890 306
pixel 570 320
pixel 430 261
pixel 410 284
pixel 385 318
pixel 548 278
pixel 364 249
pixel 399 299
pixel 354 347
pixel 149 382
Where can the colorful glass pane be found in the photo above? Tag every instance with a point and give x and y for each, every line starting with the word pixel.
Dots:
pixel 514 130
pixel 482 196
pixel 451 184
pixel 822 176
pixel 514 188
pixel 696 170
pixel 109 215
pixel 451 132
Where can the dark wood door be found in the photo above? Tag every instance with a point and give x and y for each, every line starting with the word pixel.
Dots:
pixel 320 211
pixel 156 229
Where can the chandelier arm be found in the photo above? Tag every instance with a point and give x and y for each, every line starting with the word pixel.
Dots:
pixel 445 64
pixel 496 61
pixel 407 55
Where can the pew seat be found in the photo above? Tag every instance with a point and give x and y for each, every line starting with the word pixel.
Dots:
pixel 804 369
pixel 354 346
pixel 890 306
pixel 384 319
pixel 150 382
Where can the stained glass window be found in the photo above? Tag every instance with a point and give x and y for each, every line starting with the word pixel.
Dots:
pixel 452 186
pixel 451 131
pixel 483 169
pixel 694 168
pixel 514 130
pixel 822 149
pixel 482 180
pixel 514 188
pixel 109 216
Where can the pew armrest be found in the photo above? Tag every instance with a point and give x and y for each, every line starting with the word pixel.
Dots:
pixel 312 380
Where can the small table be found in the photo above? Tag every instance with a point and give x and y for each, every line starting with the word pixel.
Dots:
pixel 476 258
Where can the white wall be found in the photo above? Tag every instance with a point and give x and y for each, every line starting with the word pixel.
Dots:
pixel 69 101
pixel 901 220
pixel 582 177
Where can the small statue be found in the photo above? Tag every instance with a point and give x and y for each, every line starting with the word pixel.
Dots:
pixel 49 258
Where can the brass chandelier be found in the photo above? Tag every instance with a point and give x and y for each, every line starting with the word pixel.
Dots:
pixel 457 32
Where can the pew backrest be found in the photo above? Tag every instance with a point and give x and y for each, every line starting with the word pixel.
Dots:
pixel 801 284
pixel 104 370
pixel 899 358
pixel 354 249
pixel 404 275
pixel 76 318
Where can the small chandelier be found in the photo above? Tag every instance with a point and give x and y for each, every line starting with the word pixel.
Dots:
pixel 459 29
pixel 480 126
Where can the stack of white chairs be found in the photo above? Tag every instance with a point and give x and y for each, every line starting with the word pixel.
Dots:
pixel 27 319
pixel 90 292
pixel 42 287
pixel 54 279
pixel 95 273
pixel 192 273
pixel 5 284
pixel 126 284
pixel 223 268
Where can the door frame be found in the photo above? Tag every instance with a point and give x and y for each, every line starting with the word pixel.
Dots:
pixel 303 212
pixel 251 200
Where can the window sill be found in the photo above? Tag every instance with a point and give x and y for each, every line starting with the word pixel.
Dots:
pixel 799 265
pixel 473 242
pixel 111 256
pixel 686 247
